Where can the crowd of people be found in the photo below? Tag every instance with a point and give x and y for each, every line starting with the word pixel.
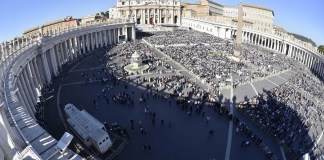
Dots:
pixel 292 113
pixel 209 57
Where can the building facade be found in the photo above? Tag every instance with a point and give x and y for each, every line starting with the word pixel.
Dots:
pixel 150 12
pixel 261 17
pixel 203 8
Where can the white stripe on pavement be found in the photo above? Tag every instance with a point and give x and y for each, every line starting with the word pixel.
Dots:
pixel 320 137
pixel 255 91
pixel 272 82
pixel 282 78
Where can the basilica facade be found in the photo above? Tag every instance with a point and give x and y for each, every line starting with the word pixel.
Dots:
pixel 150 12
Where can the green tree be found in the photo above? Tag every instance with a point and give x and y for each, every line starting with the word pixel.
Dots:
pixel 321 49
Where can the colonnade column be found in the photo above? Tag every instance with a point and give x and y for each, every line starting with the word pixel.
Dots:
pixel 109 36
pixel 54 62
pixel 26 94
pixel 58 56
pixel 33 73
pixel 70 47
pixel 92 41
pixel 105 37
pixel 79 46
pixel 24 99
pixel 62 56
pixel 88 42
pixel 46 68
pixel 97 39
pixel 83 43
pixel 31 89
pixel 34 63
pixel 65 52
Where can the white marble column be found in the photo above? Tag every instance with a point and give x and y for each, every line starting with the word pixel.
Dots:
pixel 26 93
pixel 33 74
pixel 37 73
pixel 70 49
pixel 65 51
pixel 78 41
pixel 110 36
pixel 133 33
pixel 126 33
pixel 116 35
pixel 31 89
pixel 105 37
pixel 309 61
pixel 97 39
pixel 58 56
pixel 54 62
pixel 92 41
pixel 87 42
pixel 75 47
pixel 83 43
pixel 24 99
pixel 46 68
pixel 62 55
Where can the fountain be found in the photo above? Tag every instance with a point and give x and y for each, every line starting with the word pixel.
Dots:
pixel 136 65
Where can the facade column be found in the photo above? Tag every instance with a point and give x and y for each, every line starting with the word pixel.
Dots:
pixel 125 33
pixel 133 33
pixel 144 16
pixel 158 16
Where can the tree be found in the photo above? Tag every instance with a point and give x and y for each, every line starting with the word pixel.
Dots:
pixel 321 49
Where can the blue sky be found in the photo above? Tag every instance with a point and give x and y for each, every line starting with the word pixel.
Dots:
pixel 305 17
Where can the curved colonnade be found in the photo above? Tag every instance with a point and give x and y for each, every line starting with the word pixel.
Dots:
pixel 30 65
pixel 281 44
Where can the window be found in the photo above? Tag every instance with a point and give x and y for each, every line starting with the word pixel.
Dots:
pixel 123 3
